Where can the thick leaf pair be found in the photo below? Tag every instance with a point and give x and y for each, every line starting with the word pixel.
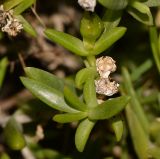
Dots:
pixel 137 9
pixel 53 92
pixel 76 46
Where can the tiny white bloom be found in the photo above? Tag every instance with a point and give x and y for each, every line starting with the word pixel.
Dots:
pixel 88 5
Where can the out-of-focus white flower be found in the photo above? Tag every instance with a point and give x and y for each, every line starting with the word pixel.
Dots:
pixel 88 5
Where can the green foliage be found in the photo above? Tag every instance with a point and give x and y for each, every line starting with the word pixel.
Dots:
pixel 3 67
pixel 78 101
pixel 13 135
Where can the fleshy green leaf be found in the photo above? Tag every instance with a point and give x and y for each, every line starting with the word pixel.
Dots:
pixel 73 100
pixel 152 3
pixel 70 42
pixel 137 73
pixel 109 108
pixel 26 26
pixel 3 67
pixel 140 12
pixel 117 124
pixel 82 133
pixel 4 156
pixel 13 135
pixel 114 4
pixel 111 19
pixel 23 6
pixel 137 107
pixel 107 39
pixel 154 42
pixel 89 93
pixel 69 117
pixel 83 75
pixel 45 77
pixel 9 4
pixel 139 137
pixel 48 95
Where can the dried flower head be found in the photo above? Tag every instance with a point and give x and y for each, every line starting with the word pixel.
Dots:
pixel 104 86
pixel 88 5
pixel 105 65
pixel 8 23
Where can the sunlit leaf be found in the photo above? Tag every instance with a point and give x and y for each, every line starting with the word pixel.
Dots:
pixel 45 77
pixel 139 138
pixel 140 12
pixel 89 93
pixel 13 135
pixel 152 3
pixel 117 125
pixel 26 26
pixel 69 117
pixel 48 95
pixel 109 108
pixel 83 75
pixel 73 100
pixel 9 4
pixel 23 6
pixel 68 41
pixel 82 133
pixel 107 39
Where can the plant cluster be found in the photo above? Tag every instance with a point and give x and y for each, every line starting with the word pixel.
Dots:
pixel 93 95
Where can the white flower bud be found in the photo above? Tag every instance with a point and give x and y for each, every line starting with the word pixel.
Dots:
pixel 88 5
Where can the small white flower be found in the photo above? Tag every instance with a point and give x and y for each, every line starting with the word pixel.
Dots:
pixel 88 5
pixel 8 23
pixel 105 66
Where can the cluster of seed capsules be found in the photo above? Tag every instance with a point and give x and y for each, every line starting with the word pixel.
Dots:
pixel 8 23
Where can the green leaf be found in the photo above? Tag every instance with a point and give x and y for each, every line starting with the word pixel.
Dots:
pixel 152 3
pixel 13 135
pixel 26 26
pixel 154 42
pixel 107 39
pixel 140 12
pixel 45 77
pixel 9 4
pixel 3 68
pixel 154 151
pixel 4 156
pixel 140 70
pixel 114 4
pixel 83 75
pixel 117 124
pixel 48 95
pixel 89 93
pixel 111 19
pixel 82 133
pixel 70 42
pixel 23 6
pixel 108 108
pixel 69 117
pixel 137 107
pixel 139 138
pixel 73 100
